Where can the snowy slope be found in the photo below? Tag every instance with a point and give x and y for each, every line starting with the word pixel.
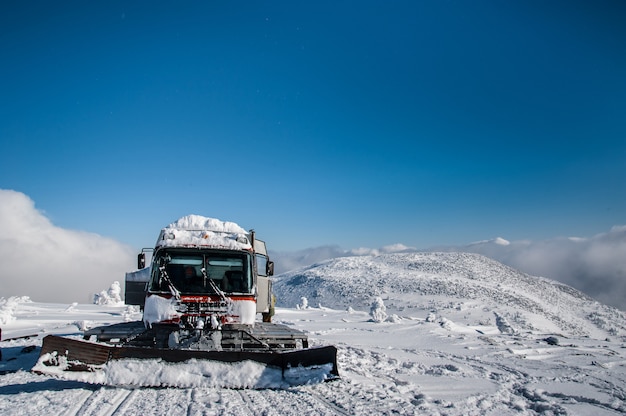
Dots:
pixel 451 334
pixel 480 287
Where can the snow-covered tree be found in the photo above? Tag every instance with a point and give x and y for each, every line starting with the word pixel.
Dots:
pixel 109 297
pixel 378 310
pixel 304 303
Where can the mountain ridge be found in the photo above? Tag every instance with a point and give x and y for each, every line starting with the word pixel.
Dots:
pixel 423 282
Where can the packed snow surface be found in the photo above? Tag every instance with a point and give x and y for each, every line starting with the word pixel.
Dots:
pixel 462 336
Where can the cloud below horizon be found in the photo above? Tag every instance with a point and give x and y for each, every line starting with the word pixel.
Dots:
pixel 52 264
pixel 594 265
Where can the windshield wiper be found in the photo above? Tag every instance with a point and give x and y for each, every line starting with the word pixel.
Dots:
pixel 213 286
pixel 165 278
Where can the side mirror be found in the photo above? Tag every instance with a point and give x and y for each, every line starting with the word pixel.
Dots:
pixel 269 268
pixel 141 261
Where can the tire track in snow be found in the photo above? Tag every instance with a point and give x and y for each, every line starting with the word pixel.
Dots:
pixel 250 405
pixel 335 409
pixel 125 403
pixel 81 399
pixel 114 403
pixel 232 402
pixel 89 403
pixel 191 402
pixel 102 402
pixel 204 401
pixel 274 402
pixel 304 400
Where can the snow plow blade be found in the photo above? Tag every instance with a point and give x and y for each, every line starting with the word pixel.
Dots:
pixel 75 355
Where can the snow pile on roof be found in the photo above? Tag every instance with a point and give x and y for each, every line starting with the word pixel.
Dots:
pixel 196 230
pixel 198 222
pixel 438 281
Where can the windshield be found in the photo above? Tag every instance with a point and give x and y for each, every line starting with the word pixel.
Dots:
pixel 229 271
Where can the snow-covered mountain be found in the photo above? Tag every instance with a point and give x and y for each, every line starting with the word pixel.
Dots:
pixel 475 285
pixel 595 265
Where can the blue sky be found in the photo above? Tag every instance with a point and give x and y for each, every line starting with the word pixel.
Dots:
pixel 352 123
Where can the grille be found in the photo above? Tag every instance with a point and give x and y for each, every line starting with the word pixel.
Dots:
pixel 206 307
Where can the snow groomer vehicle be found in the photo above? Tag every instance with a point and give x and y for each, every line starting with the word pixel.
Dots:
pixel 208 296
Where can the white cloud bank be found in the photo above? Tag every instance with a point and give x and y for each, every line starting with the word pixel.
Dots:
pixel 52 264
pixel 594 265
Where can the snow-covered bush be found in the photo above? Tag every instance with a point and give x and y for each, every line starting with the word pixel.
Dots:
pixel 82 325
pixel 431 317
pixel 304 303
pixel 446 324
pixel 378 310
pixel 503 324
pixel 132 313
pixel 110 297
pixel 8 307
pixel 394 318
pixel 603 323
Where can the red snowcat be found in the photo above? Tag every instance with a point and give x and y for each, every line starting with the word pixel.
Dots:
pixel 207 283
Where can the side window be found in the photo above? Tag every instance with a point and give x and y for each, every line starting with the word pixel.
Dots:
pixel 261 265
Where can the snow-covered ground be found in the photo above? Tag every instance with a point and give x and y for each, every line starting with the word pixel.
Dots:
pixel 419 333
